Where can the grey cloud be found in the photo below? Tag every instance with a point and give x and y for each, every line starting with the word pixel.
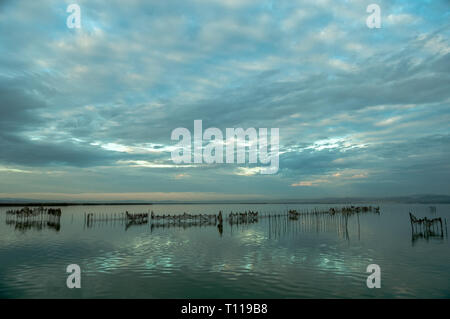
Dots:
pixel 136 72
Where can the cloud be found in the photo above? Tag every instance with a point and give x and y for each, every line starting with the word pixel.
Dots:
pixel 99 103
pixel 338 177
pixel 148 164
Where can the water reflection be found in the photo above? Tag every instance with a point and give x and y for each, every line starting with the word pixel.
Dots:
pixel 426 235
pixel 23 226
pixel 316 253
pixel 131 223
pixel 332 221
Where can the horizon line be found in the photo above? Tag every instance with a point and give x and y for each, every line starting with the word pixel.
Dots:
pixel 416 198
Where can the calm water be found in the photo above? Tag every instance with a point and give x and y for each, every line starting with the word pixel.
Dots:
pixel 272 258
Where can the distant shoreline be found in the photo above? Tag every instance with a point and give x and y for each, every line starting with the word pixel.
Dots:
pixel 68 204
pixel 330 201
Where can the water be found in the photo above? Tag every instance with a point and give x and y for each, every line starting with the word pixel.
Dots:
pixel 272 258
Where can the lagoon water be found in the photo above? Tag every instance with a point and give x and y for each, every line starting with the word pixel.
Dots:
pixel 271 258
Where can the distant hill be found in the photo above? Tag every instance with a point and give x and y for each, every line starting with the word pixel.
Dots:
pixel 416 199
pixel 413 199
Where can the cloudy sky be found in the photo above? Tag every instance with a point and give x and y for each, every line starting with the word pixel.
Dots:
pixel 88 113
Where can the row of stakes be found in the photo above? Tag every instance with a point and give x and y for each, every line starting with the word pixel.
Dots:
pixel 233 217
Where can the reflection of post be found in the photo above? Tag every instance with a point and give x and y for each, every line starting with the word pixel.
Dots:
pixel 220 225
pixel 346 227
pixel 446 234
pixel 220 228
pixel 411 221
pixel 359 229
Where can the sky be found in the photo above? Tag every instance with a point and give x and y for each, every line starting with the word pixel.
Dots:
pixel 87 113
